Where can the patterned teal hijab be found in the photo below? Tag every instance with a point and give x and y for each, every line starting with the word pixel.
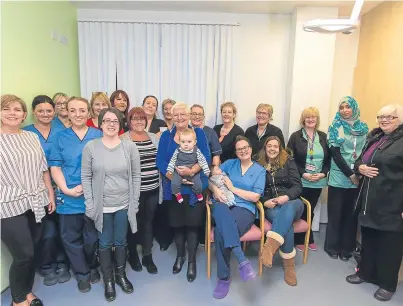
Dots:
pixel 341 127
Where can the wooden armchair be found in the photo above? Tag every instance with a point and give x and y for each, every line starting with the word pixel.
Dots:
pixel 254 234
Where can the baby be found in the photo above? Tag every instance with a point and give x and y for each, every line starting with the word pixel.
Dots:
pixel 187 155
pixel 217 179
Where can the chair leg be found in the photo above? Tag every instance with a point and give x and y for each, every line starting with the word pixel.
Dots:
pixel 305 258
pixel 260 252
pixel 208 250
pixel 244 246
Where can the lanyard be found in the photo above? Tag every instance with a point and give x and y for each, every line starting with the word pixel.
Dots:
pixel 311 143
pixel 355 148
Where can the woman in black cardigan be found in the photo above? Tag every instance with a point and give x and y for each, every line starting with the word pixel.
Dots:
pixel 311 153
pixel 282 205
pixel 228 131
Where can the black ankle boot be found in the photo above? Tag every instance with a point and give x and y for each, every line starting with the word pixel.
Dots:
pixel 192 273
pixel 106 262
pixel 120 270
pixel 134 261
pixel 148 263
pixel 178 265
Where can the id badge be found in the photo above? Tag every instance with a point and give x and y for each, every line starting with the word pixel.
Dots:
pixel 310 167
pixel 59 197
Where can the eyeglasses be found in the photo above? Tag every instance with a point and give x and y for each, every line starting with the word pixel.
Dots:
pixel 243 149
pixel 263 114
pixel 110 122
pixel 387 118
pixel 196 114
pixel 59 104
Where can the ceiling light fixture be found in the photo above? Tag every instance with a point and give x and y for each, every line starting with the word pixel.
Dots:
pixel 346 26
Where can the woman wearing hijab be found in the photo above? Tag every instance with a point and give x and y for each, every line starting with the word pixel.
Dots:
pixel 346 139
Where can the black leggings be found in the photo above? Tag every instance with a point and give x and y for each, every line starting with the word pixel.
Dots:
pixel 21 234
pixel 312 195
pixel 189 235
pixel 147 206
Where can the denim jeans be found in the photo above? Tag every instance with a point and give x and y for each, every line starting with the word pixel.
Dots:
pixel 282 218
pixel 114 229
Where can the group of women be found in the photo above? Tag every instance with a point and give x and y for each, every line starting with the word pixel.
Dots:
pixel 102 166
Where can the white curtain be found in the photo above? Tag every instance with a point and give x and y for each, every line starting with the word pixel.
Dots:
pixel 189 63
pixel 97 54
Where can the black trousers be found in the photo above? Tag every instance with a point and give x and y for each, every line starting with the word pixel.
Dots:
pixel 148 204
pixel 21 234
pixel 342 223
pixel 163 231
pixel 312 195
pixel 381 256
pixel 80 240
pixel 51 250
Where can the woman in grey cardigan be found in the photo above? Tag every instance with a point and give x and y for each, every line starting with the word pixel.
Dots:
pixel 111 183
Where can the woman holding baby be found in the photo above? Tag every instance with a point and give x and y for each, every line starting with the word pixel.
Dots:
pixel 185 213
pixel 245 179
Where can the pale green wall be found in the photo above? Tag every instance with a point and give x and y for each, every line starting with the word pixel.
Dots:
pixel 32 63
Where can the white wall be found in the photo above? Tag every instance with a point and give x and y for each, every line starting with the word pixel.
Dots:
pixel 260 58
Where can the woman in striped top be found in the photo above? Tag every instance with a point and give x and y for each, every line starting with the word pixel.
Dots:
pixel 147 144
pixel 25 190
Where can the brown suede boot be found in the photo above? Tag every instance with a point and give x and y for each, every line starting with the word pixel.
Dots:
pixel 272 244
pixel 290 276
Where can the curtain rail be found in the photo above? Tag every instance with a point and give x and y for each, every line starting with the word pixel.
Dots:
pixel 158 22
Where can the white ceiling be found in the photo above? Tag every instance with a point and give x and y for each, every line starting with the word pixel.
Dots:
pixel 226 6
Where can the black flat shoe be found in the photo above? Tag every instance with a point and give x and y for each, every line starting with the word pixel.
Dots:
pixel 84 285
pixel 148 263
pixel 333 256
pixel 134 262
pixel 178 265
pixel 354 279
pixel 35 302
pixel 383 295
pixel 192 273
pixel 344 258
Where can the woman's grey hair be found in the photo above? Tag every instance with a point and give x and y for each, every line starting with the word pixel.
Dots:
pixel 390 109
pixel 180 105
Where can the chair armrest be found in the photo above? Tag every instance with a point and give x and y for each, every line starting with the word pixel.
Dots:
pixel 259 206
pixel 308 210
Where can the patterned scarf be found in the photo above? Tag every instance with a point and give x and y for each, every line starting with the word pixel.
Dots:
pixel 341 127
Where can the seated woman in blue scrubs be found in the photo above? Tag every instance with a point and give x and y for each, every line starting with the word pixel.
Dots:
pixel 246 179
pixel 78 232
pixel 53 262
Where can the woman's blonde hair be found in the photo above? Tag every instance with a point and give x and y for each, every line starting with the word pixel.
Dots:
pixel 78 99
pixel 6 100
pixel 391 108
pixel 229 104
pixel 99 96
pixel 180 105
pixel 59 95
pixel 267 107
pixel 284 154
pixel 310 112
